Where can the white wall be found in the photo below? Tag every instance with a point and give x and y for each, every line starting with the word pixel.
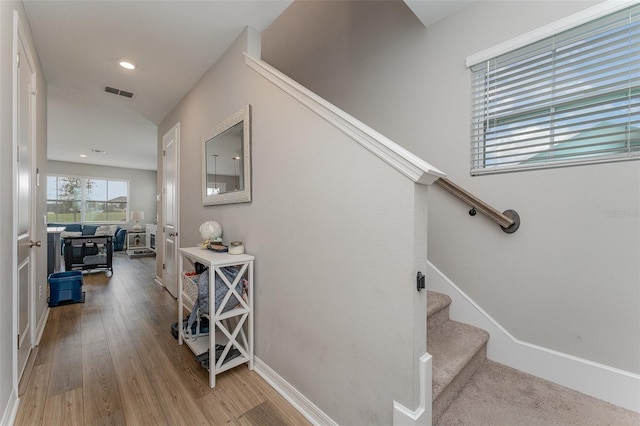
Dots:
pixel 7 247
pixel 569 279
pixel 332 229
pixel 142 184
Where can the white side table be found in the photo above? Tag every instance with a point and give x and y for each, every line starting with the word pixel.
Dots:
pixel 137 244
pixel 234 328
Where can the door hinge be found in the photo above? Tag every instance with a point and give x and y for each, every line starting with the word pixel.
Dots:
pixel 18 154
pixel 164 153
pixel 18 60
pixel 163 266
pixel 18 342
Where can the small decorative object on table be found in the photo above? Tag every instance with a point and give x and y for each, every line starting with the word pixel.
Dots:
pixel 211 233
pixel 236 247
pixel 220 248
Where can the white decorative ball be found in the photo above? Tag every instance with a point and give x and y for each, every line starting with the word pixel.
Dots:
pixel 210 230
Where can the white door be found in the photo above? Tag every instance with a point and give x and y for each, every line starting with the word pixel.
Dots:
pixel 24 135
pixel 170 155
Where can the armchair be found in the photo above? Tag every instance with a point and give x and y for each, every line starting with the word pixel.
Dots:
pixel 119 239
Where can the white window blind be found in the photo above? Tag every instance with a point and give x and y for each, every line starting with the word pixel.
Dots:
pixel 568 99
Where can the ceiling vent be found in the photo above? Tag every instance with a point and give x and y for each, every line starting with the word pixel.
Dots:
pixel 120 92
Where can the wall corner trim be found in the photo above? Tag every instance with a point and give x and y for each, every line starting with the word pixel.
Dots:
pixel 407 163
pixel 421 416
pixel 307 408
pixel 610 384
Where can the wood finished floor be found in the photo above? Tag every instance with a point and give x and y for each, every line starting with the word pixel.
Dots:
pixel 113 361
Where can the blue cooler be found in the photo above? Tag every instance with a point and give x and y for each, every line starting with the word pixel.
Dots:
pixel 65 287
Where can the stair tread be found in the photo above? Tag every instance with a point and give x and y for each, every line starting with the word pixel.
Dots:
pixel 436 302
pixel 452 345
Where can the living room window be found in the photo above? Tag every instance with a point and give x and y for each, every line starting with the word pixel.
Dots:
pixel 567 99
pixel 73 199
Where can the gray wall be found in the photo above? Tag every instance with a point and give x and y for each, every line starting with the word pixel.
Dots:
pixel 332 229
pixel 7 246
pixel 569 278
pixel 142 184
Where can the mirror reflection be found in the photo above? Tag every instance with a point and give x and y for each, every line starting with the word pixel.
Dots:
pixel 226 160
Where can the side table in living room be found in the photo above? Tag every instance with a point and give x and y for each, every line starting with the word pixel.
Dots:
pixel 137 244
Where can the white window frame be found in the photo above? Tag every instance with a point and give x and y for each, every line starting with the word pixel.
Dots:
pixel 478 166
pixel 84 199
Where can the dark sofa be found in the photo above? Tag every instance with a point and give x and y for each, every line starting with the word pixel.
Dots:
pixel 119 236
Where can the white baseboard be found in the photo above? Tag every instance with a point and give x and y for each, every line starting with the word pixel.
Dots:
pixel 11 410
pixel 610 384
pixel 158 280
pixel 314 414
pixel 403 416
pixel 41 324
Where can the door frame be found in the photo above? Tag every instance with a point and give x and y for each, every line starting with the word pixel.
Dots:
pixel 176 242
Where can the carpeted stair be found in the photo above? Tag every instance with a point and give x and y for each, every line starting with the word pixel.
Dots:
pixel 469 389
pixel 457 349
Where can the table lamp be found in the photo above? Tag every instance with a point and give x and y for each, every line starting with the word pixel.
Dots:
pixel 137 215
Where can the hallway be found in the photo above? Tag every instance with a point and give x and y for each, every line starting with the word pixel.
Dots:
pixel 113 361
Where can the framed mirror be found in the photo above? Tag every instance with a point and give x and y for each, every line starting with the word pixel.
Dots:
pixel 226 161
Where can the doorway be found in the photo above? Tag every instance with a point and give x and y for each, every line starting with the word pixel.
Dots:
pixel 170 211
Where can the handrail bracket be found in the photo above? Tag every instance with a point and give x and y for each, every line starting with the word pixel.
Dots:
pixel 515 217
pixel 509 220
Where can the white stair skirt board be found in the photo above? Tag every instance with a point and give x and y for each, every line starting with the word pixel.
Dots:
pixel 613 385
pixel 10 412
pixel 402 416
pixel 307 408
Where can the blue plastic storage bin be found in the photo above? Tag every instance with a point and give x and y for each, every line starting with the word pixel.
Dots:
pixel 65 287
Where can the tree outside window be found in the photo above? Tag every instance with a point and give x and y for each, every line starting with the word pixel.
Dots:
pixel 81 199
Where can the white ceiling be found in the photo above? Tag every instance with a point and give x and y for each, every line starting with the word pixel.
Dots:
pixel 173 43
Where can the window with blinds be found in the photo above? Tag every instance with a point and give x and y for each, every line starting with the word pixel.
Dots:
pixel 568 99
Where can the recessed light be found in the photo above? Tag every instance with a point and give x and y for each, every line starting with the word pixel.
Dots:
pixel 83 155
pixel 128 65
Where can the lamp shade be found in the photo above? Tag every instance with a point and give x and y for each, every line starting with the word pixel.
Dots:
pixel 137 215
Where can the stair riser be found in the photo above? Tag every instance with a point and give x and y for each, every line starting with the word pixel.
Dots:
pixel 449 394
pixel 438 318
